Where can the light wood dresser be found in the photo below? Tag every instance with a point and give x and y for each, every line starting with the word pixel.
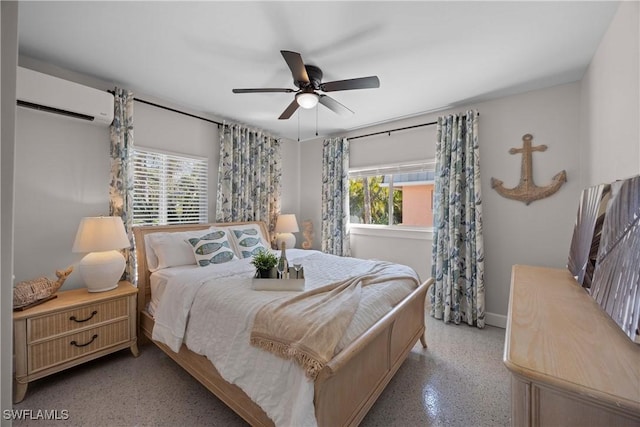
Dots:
pixel 570 364
pixel 71 329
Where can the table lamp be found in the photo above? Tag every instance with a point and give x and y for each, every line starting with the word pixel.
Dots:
pixel 285 226
pixel 101 237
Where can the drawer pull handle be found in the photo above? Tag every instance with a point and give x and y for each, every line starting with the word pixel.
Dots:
pixel 84 345
pixel 83 320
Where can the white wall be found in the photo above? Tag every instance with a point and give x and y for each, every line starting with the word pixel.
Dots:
pixel 290 202
pixel 62 173
pixel 61 165
pixel 513 232
pixel 540 233
pixel 412 248
pixel 399 147
pixel 8 61
pixel 311 186
pixel 610 102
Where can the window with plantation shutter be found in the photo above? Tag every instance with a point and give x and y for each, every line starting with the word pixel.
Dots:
pixel 168 188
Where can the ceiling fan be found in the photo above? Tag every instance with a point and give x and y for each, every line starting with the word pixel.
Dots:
pixel 308 80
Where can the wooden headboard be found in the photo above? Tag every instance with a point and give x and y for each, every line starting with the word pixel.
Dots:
pixel 144 290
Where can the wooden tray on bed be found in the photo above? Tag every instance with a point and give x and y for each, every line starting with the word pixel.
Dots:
pixel 290 285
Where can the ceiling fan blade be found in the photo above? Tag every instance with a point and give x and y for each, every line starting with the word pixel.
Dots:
pixel 334 105
pixel 359 83
pixel 288 112
pixel 294 61
pixel 262 90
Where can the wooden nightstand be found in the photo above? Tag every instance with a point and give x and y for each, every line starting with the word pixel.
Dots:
pixel 71 329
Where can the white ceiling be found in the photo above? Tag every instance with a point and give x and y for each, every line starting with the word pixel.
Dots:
pixel 428 55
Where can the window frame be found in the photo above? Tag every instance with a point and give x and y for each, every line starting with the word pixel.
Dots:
pixel 392 230
pixel 201 180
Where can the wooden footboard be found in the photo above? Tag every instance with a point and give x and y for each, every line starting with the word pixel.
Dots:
pixel 348 385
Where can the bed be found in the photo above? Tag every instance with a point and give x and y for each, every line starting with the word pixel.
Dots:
pixel 343 390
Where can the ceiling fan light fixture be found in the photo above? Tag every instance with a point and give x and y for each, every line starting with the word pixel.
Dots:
pixel 307 99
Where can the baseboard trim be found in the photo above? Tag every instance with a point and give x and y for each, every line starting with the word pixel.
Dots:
pixel 493 319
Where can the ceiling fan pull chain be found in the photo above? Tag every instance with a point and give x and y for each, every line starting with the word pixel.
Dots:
pixel 316 119
pixel 298 126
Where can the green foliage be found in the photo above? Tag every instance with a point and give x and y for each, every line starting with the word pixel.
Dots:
pixel 356 198
pixel 397 206
pixel 264 260
pixel 373 208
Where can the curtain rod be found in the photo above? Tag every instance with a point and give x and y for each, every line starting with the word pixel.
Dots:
pixel 396 130
pixel 153 104
pixel 392 130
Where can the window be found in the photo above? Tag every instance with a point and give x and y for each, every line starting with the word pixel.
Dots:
pixel 168 188
pixel 392 195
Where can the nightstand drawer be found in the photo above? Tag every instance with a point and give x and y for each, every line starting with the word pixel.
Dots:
pixel 69 347
pixel 70 320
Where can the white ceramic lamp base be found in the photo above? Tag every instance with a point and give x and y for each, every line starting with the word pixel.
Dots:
pixel 288 238
pixel 101 271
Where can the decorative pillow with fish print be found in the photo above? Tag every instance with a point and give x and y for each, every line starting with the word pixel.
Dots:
pixel 248 240
pixel 212 248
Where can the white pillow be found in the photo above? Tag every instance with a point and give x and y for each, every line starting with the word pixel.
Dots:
pixel 212 248
pixel 172 249
pixel 152 259
pixel 248 240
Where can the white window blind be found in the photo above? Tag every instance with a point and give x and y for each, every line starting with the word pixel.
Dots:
pixel 168 188
pixel 391 169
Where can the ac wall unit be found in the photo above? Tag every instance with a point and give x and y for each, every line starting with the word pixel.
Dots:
pixel 47 93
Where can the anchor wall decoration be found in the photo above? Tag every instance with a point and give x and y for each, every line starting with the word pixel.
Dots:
pixel 527 191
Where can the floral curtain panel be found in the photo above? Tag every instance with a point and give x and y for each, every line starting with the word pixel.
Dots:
pixel 335 197
pixel 121 180
pixel 249 176
pixel 458 251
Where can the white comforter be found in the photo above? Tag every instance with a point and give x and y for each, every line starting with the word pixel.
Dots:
pixel 211 310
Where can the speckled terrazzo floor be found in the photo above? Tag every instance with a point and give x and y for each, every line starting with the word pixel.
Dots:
pixel 459 380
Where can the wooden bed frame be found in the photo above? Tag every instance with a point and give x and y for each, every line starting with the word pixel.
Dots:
pixel 348 385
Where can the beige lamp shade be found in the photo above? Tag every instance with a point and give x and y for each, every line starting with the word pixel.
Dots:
pixel 102 237
pixel 285 226
pixel 101 233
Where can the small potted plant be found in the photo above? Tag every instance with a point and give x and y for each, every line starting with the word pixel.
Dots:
pixel 264 261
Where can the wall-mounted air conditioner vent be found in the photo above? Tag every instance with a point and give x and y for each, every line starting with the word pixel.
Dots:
pixel 47 93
